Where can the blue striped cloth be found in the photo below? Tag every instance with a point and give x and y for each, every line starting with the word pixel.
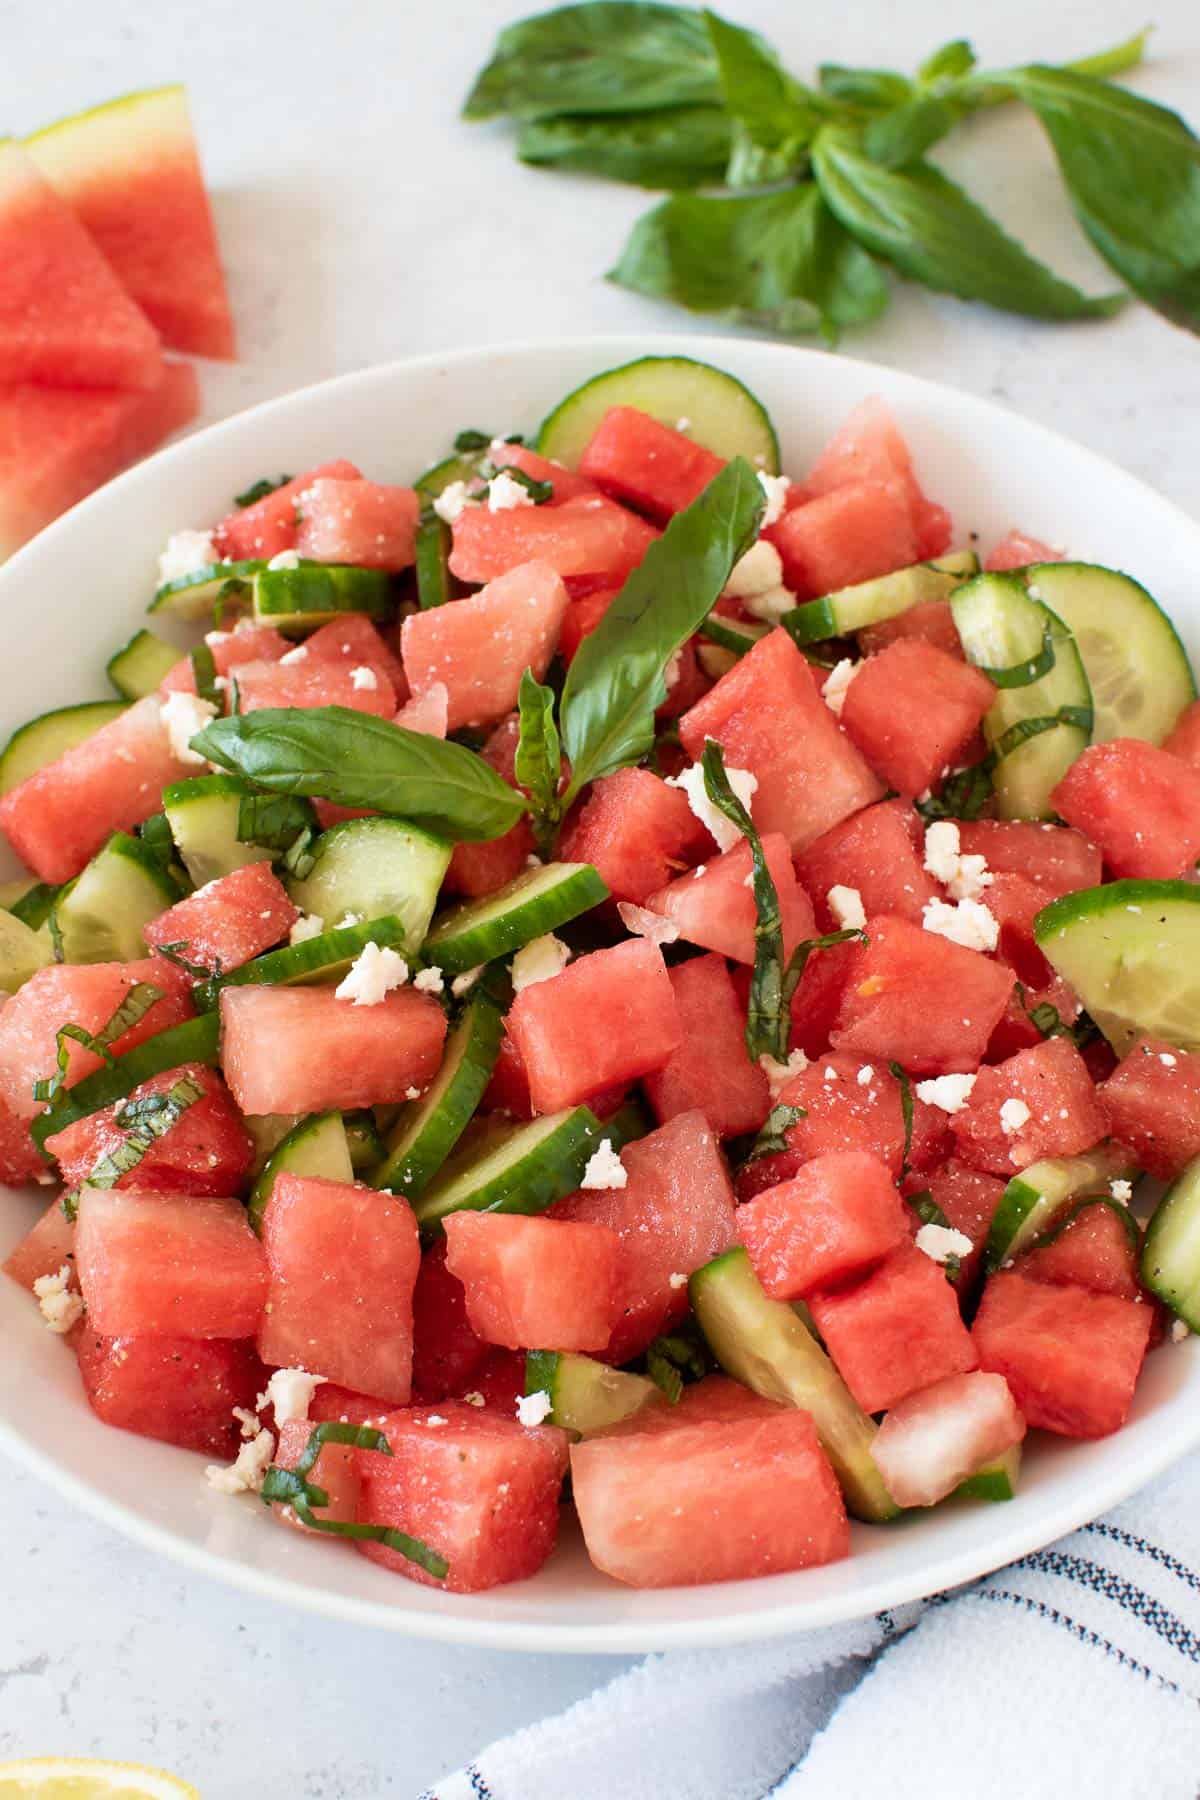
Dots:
pixel 1073 1671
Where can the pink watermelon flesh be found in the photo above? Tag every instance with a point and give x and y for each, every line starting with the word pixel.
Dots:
pixel 1184 738
pixel 343 1264
pixel 1057 858
pixel 247 643
pixel 911 709
pixel 566 483
pixel 587 536
pixel 1140 804
pixel 878 852
pixel 19 1158
pixel 229 921
pixel 477 869
pixel 536 1283
pixel 447 1350
pixel 355 640
pixel 302 1050
pixel 305 684
pixel 646 464
pixel 1016 550
pixel 851 534
pixel 918 999
pixel 895 1332
pixel 207 1151
pixel 1152 1103
pixel 1051 1082
pixel 360 522
pixel 969 1200
pixel 711 1071
pixel 132 174
pixel 839 1215
pixel 933 1440
pixel 271 525
pixel 930 621
pixel 869 446
pixel 1097 1250
pixel 713 905
pixel 45 1248
pixel 180 1390
pixel 636 831
pixel 844 1113
pixel 65 319
pixel 430 714
pixel 335 1472
pixel 168 1265
pixel 480 647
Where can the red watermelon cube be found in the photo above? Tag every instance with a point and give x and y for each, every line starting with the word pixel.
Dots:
pixel 335 1472
pixel 480 1489
pixel 180 1390
pixel 20 1160
pixel 536 1283
pixel 1071 1357
pixel 168 1265
pixel 567 484
pixel 343 1264
pixel 508 1089
pixel 1140 804
pixel 230 649
pixel 366 688
pixel 880 853
pixel 1184 738
pixel 896 1331
pixel 713 905
pixel 711 1071
pixel 636 831
pixel 636 459
pixel 930 622
pixel 936 1438
pixel 207 1151
pixel 969 1199
pixel 261 531
pixel 447 1350
pixel 477 869
pixel 915 997
pixel 354 639
pixel 480 647
pixel 869 446
pixel 818 998
pixel 843 1112
pixel 607 1018
pixel 1097 1250
pixel 229 921
pixel 839 1215
pixel 1017 550
pixel 361 522
pixel 768 717
pixel 911 709
pixel 1151 1102
pixel 581 619
pixel 1039 1103
pixel 587 536
pixel 1057 858
pixel 851 534
pixel 46 1247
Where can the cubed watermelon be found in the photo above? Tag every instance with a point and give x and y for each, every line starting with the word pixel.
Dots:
pixel 1097 1249
pixel 818 998
pixel 915 997
pixel 711 1071
pixel 581 619
pixel 230 649
pixel 355 640
pixel 207 1151
pixel 180 1390
pixel 1017 1030
pixel 607 1018
pixel 302 684
pixel 768 717
pixel 345 1406
pixel 508 1089
pixel 447 1350
pixel 969 1199
pixel 1071 1358
pixel 499 1382
pixel 636 459
pixel 302 1050
pixel 1152 1103
pixel 567 484
pixel 1015 902
pixel 335 1472
pixel 1039 1103
pixel 588 536
pixel 936 1438
pixel 674 1214
pixel 47 1246
pixel 843 1112
pixel 851 534
pixel 896 1331
pixel 429 713
pixel 20 1160
pixel 58 818
pixel 536 1283
pixel 713 905
pixel 838 1216
pixel 1183 740
pixel 481 646
pixel 1017 550
pixel 930 621
pixel 879 853
pixel 229 921
pixel 261 531
pixel 911 709
pixel 1056 857
pixel 869 446
pixel 361 522
pixel 168 1265
pixel 1140 804
pixel 637 832
pixel 480 1489
pixel 477 869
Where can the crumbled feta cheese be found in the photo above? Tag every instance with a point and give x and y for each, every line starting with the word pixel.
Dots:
pixel 831 1073
pixel 248 1420
pixel 949 1093
pixel 363 679
pixel 684 424
pixel 505 492
pixel 58 1306
pixel 308 925
pixel 965 877
pixel 691 781
pixel 942 1242
pixel 771 604
pixel 183 716
pixel 375 972
pixel 541 960
pixel 285 559
pixel 1167 1060
pixel 429 981
pixel 699 870
pixel 845 903
pixel 462 984
pixel 1121 1191
pixel 1179 1331
pixel 347 919
pixel 605 1168
pixel 673 670
pixel 298 655
pixel 1013 1114
pixel 453 502
pixel 412 1093
pixel 967 922
pixel 837 683
pixel 639 921
pixel 245 1474
pixel 677 1281
pixel 757 572
pixel 290 1393
pixel 775 487
pixel 186 553
pixel 534 1409
pixel 778 1074
pixel 435 1419
pixel 475 1398
pixel 866 1075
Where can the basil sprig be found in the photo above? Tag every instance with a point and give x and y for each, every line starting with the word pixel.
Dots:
pixel 292 1488
pixel 768 1021
pixel 772 1133
pixel 539 757
pixel 133 1008
pixel 143 1122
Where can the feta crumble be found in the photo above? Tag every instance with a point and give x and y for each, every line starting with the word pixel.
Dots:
pixel 1013 1115
pixel 964 876
pixel 771 604
pixel 1179 1331
pixel 837 684
pixel 285 559
pixel 375 972
pixel 534 1409
pixel 639 921
pixel 475 1398
pixel 429 981
pixel 308 925
pixel 186 553
pixel 462 984
pixel 453 501
pixel 245 1474
pixel 1121 1191
pixel 673 670
pixel 505 492
pixel 684 424
pixel 298 655
pixel 59 1307
pixel 845 903
pixel 757 572
pixel 364 679
pixel 184 715
pixel 541 960
pixel 677 1280
pixel 967 922
pixel 290 1392
pixel 605 1168
pixel 778 1074
pixel 1167 1060
pixel 940 1242
pixel 775 487
pixel 866 1075
pixel 691 782
pixel 949 1093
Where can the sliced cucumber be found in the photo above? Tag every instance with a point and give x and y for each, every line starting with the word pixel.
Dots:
pixel 268 1131
pixel 102 914
pixel 375 868
pixel 23 951
pixel 366 1146
pixel 207 592
pixel 140 665
pixel 317 1146
pixel 1171 1253
pixel 721 413
pixel 428 1129
pixel 29 901
pixel 196 1040
pixel 434 541
pixel 1043 1192
pixel 44 739
pixel 1010 635
pixel 995 1481
pixel 520 1168
pixel 535 903
pixel 1138 670
pixel 462 466
pixel 317 959
pixel 299 600
pixel 203 815
pixel 586 1395
pixel 763 1344
pixel 735 635
pixel 849 609
pixel 1131 951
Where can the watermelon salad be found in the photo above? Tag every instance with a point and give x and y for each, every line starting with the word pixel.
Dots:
pixel 616 960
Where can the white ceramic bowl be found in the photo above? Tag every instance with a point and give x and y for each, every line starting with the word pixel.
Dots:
pixel 80 589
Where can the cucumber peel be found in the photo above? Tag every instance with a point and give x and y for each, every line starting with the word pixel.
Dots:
pixel 1171 1253
pixel 586 1396
pixel 317 1147
pixel 850 609
pixel 1040 1195
pixel 1131 951
pixel 721 413
pixel 428 1129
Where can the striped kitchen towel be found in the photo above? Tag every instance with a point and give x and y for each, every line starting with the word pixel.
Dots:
pixel 1075 1670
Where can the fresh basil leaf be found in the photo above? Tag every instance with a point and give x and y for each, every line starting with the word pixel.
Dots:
pixel 902 136
pixel 1116 60
pixel 664 1375
pixel 779 261
pixel 906 1110
pixel 274 820
pixel 768 1018
pixel 618 675
pixel 947 64
pixel 291 1487
pixel 204 673
pixel 133 1008
pixel 1016 675
pixel 155 834
pixel 680 1354
pixel 356 759
pixel 539 491
pixel 934 233
pixel 676 147
pixel 772 1134
pixel 259 490
pixel 875 88
pixel 927 1208
pixel 612 56
pixel 539 756
pixel 851 934
pixel 758 91
pixel 1132 169
pixel 761 165
pixel 177 953
pixel 470 439
pixel 963 795
pixel 298 858
pixel 144 1122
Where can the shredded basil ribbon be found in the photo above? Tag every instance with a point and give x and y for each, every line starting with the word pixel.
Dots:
pixel 144 1121
pixel 136 1004
pixel 291 1487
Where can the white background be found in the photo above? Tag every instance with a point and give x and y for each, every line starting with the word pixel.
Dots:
pixel 360 221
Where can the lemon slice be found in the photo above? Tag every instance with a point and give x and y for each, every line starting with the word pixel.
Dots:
pixel 85 1778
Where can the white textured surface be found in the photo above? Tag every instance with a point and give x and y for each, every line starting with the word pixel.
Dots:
pixel 360 221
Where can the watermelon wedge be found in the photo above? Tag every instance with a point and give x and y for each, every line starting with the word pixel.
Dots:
pixel 132 173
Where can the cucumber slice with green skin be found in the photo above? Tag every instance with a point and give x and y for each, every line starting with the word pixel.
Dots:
pixel 1006 633
pixel 1131 951
pixel 1041 1194
pixel 366 1145
pixel 140 665
pixel 203 815
pixel 375 868
pixel 318 959
pixel 722 414
pixel 1137 668
pixel 1171 1253
pixel 764 1344
pixel 521 1168
pixel 268 1131
pixel 208 591
pixel 428 1129
pixel 586 1395
pixel 317 1147
pixel 462 466
pixel 29 901
pixel 23 951
pixel 849 609
pixel 44 739
pixel 196 1040
pixel 299 600
pixel 995 1481
pixel 537 902
pixel 736 635
pixel 102 913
